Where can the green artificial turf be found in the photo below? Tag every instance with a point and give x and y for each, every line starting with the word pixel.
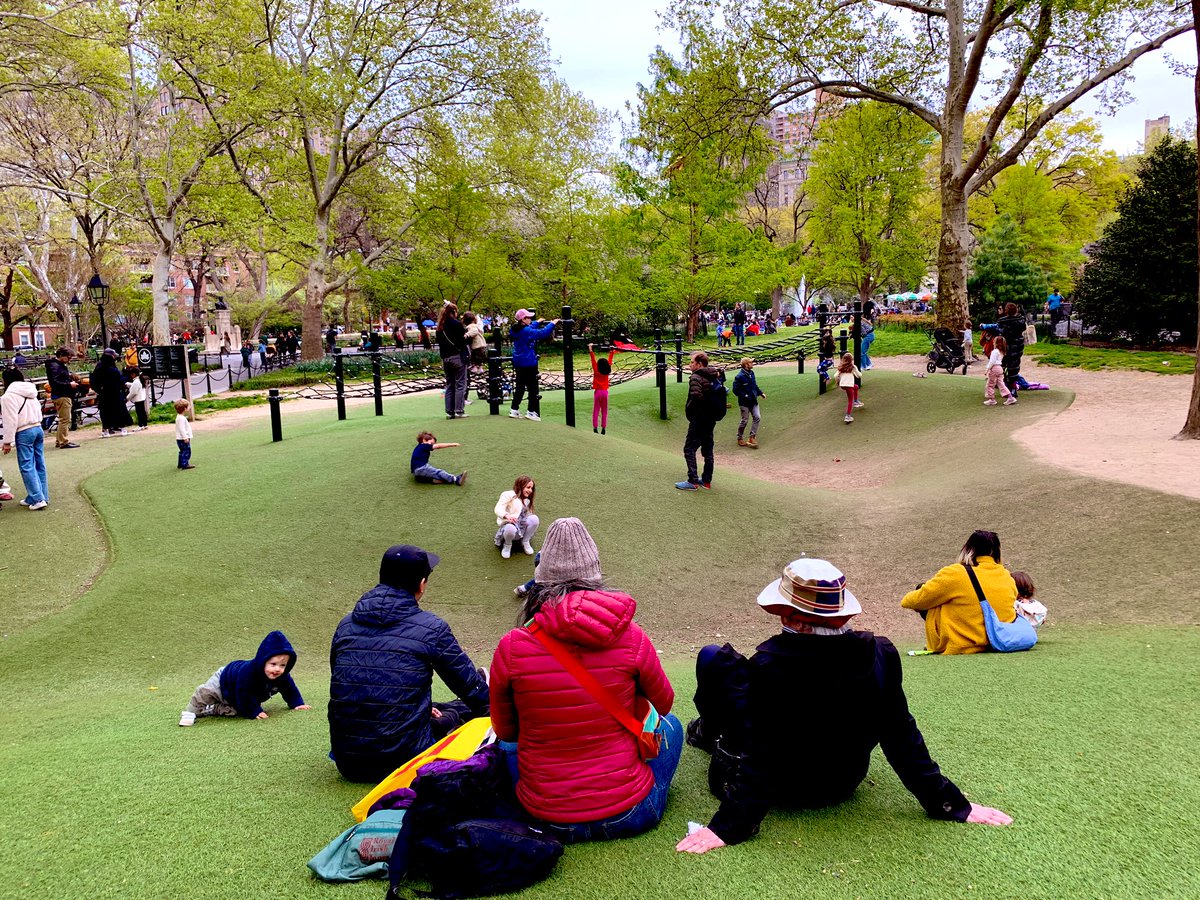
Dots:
pixel 1087 740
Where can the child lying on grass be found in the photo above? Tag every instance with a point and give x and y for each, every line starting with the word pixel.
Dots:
pixel 241 687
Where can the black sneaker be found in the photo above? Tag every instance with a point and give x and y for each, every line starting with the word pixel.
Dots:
pixel 697 738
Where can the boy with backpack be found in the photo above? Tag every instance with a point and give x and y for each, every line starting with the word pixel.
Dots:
pixel 706 405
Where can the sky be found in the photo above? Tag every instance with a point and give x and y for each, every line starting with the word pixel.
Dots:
pixel 604 48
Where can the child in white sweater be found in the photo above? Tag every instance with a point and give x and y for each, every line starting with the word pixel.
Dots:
pixel 183 434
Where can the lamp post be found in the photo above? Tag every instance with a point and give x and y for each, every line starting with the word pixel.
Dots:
pixel 75 303
pixel 98 291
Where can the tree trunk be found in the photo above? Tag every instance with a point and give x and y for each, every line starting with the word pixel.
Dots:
pixel 161 272
pixel 315 289
pixel 776 300
pixel 1191 427
pixel 952 311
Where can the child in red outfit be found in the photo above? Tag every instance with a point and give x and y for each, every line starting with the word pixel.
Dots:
pixel 601 370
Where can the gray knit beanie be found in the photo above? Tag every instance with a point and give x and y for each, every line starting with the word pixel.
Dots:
pixel 568 554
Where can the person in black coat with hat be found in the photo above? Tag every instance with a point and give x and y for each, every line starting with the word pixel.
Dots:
pixel 382 660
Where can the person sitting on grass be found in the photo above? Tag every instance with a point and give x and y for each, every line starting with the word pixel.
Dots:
pixel 241 687
pixel 515 517
pixel 421 469
pixel 819 691
pixel 382 660
pixel 950 606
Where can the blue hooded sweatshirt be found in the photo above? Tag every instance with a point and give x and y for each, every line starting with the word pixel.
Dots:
pixel 245 686
pixel 525 338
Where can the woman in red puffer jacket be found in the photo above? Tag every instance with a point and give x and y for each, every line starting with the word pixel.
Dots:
pixel 578 768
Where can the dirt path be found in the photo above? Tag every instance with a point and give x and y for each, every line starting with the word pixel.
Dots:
pixel 1119 428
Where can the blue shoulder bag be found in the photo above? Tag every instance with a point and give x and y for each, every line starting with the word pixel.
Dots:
pixel 1005 637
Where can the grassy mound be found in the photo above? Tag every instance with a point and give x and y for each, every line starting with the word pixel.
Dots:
pixel 1080 740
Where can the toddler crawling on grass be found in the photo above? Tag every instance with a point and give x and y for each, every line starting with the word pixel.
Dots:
pixel 241 687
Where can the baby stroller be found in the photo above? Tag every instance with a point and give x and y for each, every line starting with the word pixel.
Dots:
pixel 947 352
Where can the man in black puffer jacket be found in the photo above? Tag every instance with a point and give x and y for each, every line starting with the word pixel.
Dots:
pixel 382 662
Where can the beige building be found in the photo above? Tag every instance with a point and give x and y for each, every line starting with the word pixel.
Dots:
pixel 1156 130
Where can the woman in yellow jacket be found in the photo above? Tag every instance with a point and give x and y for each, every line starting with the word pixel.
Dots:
pixel 950 606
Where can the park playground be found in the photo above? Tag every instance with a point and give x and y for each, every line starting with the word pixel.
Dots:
pixel 140 580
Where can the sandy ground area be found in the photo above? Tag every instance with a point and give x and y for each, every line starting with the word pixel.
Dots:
pixel 1119 428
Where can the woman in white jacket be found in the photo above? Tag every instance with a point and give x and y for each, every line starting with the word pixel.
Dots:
pixel 515 518
pixel 21 412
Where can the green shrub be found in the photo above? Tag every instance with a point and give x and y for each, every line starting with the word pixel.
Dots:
pixel 906 322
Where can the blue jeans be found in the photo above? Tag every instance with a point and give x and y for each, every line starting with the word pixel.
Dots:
pixel 641 817
pixel 185 452
pixel 31 460
pixel 867 341
pixel 428 471
pixel 739 332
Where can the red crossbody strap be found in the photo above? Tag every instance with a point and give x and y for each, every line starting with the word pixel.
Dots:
pixel 586 680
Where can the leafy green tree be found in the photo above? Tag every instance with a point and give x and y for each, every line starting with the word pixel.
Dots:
pixel 866 182
pixel 936 59
pixel 1002 274
pixel 1141 280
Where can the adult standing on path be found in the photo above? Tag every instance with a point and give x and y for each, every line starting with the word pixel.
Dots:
pixel 525 336
pixel 452 347
pixel 1012 325
pixel 702 421
pixel 1054 307
pixel 109 385
pixel 739 324
pixel 762 722
pixel 382 660
pixel 63 388
pixel 21 412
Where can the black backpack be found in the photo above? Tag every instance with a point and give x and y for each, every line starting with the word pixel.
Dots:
pixel 462 833
pixel 718 398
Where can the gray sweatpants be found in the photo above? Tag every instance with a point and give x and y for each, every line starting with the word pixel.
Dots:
pixel 747 412
pixel 207 701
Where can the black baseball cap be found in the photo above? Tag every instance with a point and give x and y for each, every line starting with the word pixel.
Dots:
pixel 405 566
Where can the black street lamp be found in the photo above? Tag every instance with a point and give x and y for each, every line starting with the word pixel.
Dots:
pixel 98 291
pixel 75 303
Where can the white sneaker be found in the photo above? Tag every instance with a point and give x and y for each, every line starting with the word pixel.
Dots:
pixel 506 550
pixel 41 504
pixel 520 591
pixel 514 414
pixel 533 417
pixel 848 419
pixel 858 404
pixel 122 433
pixel 1011 400
pixel 527 547
pixel 186 718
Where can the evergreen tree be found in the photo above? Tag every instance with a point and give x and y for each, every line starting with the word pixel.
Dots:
pixel 1141 281
pixel 1002 274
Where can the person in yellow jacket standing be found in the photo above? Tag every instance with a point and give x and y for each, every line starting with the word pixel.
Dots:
pixel 950 606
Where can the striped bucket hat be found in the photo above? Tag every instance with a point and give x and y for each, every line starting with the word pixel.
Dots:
pixel 811 586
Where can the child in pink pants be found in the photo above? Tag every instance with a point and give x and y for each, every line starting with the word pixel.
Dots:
pixel 995 375
pixel 601 370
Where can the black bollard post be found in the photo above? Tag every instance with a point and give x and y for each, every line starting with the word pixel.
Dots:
pixel 229 374
pixel 339 383
pixel 153 394
pixel 568 327
pixel 842 338
pixel 377 378
pixel 497 390
pixel 679 359
pixel 800 363
pixel 276 423
pixel 493 381
pixel 660 367
pixel 207 375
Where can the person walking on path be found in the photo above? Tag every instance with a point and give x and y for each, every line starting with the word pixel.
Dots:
pixel 601 373
pixel 455 353
pixel 747 391
pixel 525 336
pixel 702 421
pixel 109 385
pixel 63 390
pixel 848 372
pixel 818 686
pixel 21 427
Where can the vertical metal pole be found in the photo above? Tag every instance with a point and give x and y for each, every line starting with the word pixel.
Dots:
pixel 660 367
pixel 498 342
pixel 800 363
pixel 568 327
pixel 842 339
pixel 207 376
pixel 103 329
pixel 339 383
pixel 494 393
pixel 679 359
pixel 229 371
pixel 153 396
pixel 377 378
pixel 857 330
pixel 822 324
pixel 276 423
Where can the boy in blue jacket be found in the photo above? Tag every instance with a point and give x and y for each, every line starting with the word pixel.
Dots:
pixel 241 687
pixel 525 336
pixel 745 388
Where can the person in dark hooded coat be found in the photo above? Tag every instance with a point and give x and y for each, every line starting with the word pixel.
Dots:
pixel 109 385
pixel 241 687
pixel 382 660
